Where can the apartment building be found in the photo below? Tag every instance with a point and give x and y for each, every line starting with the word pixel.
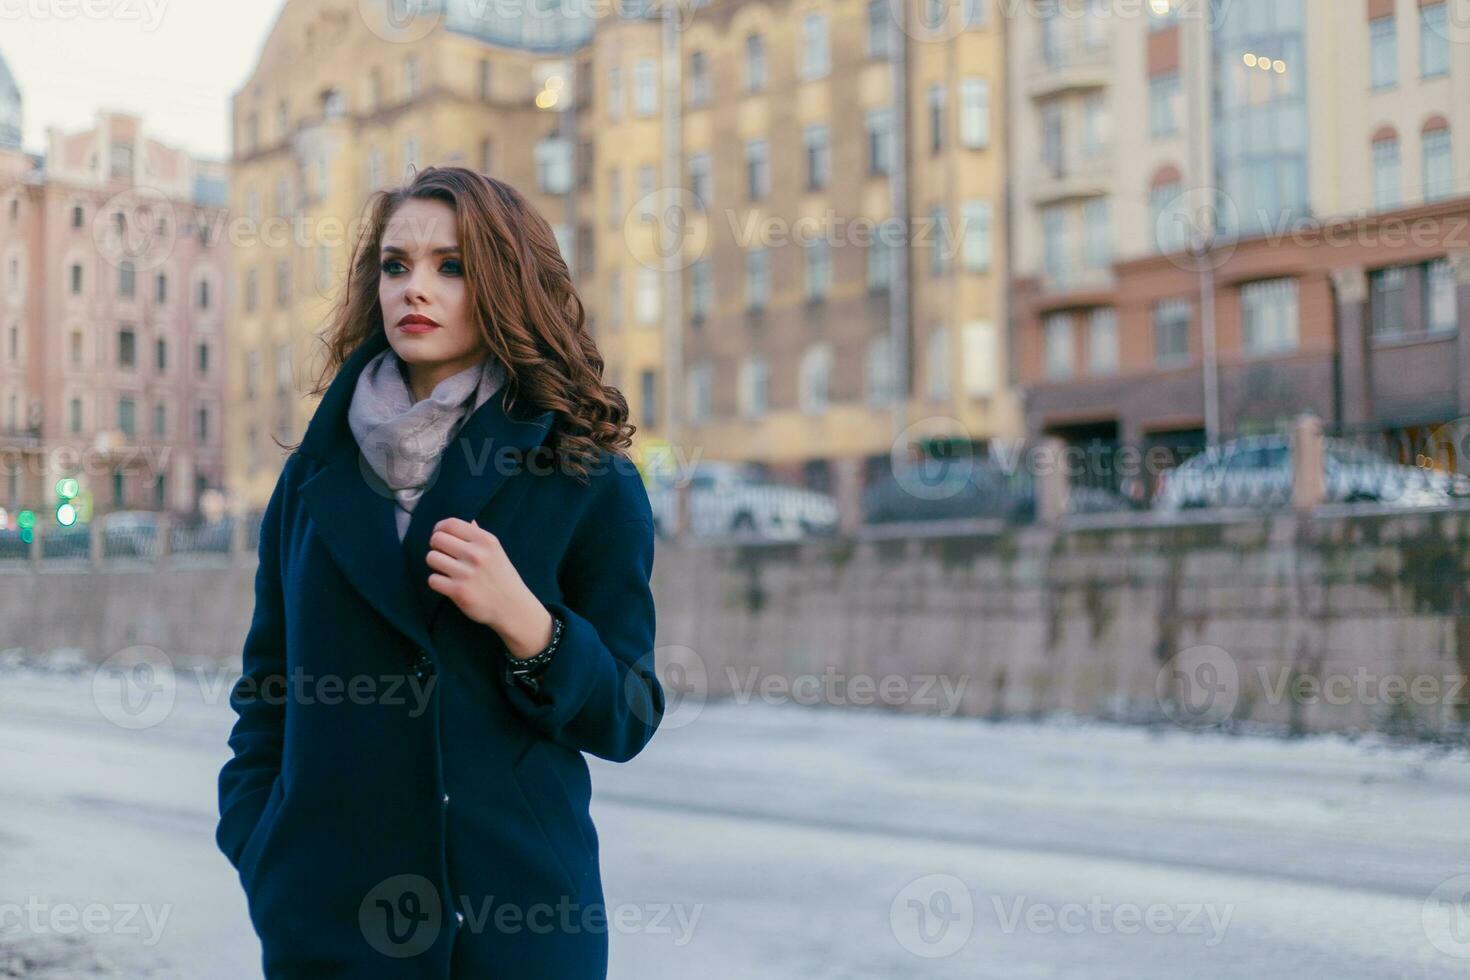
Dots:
pixel 112 321
pixel 1226 214
pixel 844 270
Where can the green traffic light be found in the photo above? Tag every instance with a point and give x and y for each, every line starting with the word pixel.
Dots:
pixel 66 515
pixel 25 520
pixel 67 487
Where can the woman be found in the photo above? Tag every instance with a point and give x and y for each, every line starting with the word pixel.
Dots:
pixel 452 606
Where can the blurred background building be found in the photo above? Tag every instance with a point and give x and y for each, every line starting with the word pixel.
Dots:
pixel 1227 214
pixel 112 332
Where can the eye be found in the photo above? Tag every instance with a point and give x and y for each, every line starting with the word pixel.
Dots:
pixel 452 267
pixel 391 266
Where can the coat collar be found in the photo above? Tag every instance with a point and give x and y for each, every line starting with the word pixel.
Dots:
pixel 354 513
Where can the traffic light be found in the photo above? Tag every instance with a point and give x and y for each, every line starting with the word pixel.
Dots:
pixel 26 521
pixel 66 511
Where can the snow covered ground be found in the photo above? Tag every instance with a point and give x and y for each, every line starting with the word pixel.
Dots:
pixel 763 841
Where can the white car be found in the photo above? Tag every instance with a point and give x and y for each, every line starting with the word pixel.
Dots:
pixel 1255 472
pixel 732 499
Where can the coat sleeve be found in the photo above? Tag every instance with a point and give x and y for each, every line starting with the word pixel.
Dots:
pixel 258 698
pixel 599 693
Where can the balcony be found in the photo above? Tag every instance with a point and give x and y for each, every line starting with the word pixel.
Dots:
pixel 1073 178
pixel 1072 67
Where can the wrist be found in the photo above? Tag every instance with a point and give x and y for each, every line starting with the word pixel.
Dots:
pixel 533 636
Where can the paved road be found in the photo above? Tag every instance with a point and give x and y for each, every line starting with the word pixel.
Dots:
pixel 764 841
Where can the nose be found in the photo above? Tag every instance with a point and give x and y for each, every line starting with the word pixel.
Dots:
pixel 415 292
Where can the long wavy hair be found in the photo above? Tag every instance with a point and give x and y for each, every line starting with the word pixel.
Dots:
pixel 524 307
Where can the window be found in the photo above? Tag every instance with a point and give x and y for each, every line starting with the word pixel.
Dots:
pixel 78 216
pixel 160 421
pixel 645 87
pixel 283 196
pixel 755 63
pixel 553 157
pixel 1060 349
pixel 699 185
pixel 1052 154
pixel 1440 301
pixel 615 197
pixel 202 359
pixel 1054 245
pixel 757 170
pixel 757 278
pixel 814 55
pixel 1102 341
pixel 880 29
pixel 646 298
pixel 1383 56
pixel 1386 301
pixel 119 489
pixel 75 348
pixel 698 79
pixel 202 294
pixel 755 385
pixel 1269 316
pixel 127 422
pixel 940 244
pixel 127 282
pixel 160 355
pixel 1094 125
pixel 977 235
pixel 74 416
pixel 649 397
pixel 1439 175
pixel 818 156
pixel 701 376
pixel 974 112
pixel 487 155
pixel 701 290
pixel 614 93
pixel 979 360
pixel 283 283
pixel 879 125
pixel 127 348
pixel 1172 222
pixel 252 290
pixel 285 372
pixel 1434 40
pixel 880 258
pixel 76 279
pixel 813 379
pixel 879 376
pixel 1386 178
pixel 936 118
pixel 818 270
pixel 252 375
pixel 411 154
pixel 937 364
pixel 1163 105
pixel 1097 226
pixel 411 78
pixel 160 288
pixel 201 424
pixel 615 298
pixel 1171 332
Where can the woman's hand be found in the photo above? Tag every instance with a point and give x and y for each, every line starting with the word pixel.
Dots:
pixel 470 567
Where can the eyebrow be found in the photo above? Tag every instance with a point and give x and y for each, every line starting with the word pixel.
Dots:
pixel 395 250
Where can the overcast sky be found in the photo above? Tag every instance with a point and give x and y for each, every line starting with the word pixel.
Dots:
pixel 174 62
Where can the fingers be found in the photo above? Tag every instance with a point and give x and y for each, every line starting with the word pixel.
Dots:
pixel 464 530
pixel 447 543
pixel 443 584
pixel 448 564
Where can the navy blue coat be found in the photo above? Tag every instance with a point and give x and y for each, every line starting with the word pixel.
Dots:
pixel 397 806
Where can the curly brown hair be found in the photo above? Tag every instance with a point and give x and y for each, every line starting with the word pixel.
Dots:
pixel 523 304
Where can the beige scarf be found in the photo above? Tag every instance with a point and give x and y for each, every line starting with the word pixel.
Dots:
pixel 402 440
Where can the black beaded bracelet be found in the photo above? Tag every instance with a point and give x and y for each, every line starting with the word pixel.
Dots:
pixel 519 668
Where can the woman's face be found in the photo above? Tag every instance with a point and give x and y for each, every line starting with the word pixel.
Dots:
pixel 422 289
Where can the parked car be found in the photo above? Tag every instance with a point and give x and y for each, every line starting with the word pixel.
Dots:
pixel 130 533
pixel 937 491
pixel 1255 471
pixel 734 499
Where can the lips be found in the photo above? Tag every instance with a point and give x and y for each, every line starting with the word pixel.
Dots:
pixel 417 323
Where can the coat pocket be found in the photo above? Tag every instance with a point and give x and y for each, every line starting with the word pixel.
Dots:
pixel 255 843
pixel 555 813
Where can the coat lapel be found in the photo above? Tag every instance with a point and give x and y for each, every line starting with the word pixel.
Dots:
pixel 488 449
pixel 353 511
